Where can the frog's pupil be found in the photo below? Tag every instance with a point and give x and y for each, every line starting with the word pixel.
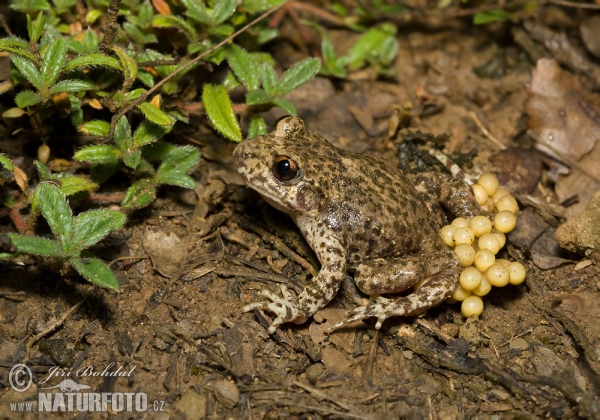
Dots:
pixel 283 168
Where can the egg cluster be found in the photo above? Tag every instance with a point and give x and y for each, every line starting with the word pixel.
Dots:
pixel 476 242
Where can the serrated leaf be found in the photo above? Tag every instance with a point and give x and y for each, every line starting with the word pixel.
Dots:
pixel 36 245
pixel 155 115
pixel 102 153
pixel 14 112
pixel 91 226
pixel 35 28
pixel 258 97
pixel 129 65
pixel 269 79
pixel 6 162
pixel 123 138
pixel 147 133
pixel 27 98
pixel 146 78
pixel 56 210
pixel 220 111
pixel 75 184
pixel 197 11
pixel 132 158
pixel 91 41
pixel 96 272
pixel 286 105
pixel 178 179
pixel 243 65
pixel 258 126
pixel 43 171
pixel 222 10
pixel 176 22
pixel 53 61
pixel 133 94
pixel 28 69
pixel 177 163
pixel 299 74
pixel 139 195
pixel 92 60
pixel 95 128
pixel 70 86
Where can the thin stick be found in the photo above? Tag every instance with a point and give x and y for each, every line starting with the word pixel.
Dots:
pixel 573 4
pixel 185 66
pixel 486 132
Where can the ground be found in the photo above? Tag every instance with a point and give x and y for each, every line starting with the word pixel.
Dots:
pixel 189 263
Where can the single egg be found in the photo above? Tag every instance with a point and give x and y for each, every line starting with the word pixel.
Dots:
pixel 463 235
pixel 480 194
pixel 517 273
pixel 497 275
pixel 43 153
pixel 470 278
pixel 480 225
pixel 489 242
pixel 465 254
pixel 507 202
pixel 446 234
pixel 484 287
pixel 505 221
pixel 460 222
pixel 489 182
pixel 460 294
pixel 471 306
pixel 484 259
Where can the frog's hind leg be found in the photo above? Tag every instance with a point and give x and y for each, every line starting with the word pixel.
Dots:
pixel 433 292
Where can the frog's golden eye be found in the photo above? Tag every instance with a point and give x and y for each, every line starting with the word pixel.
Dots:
pixel 285 169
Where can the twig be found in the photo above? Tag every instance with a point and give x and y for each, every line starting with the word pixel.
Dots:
pixel 54 325
pixel 320 395
pixel 185 66
pixel 486 132
pixel 111 26
pixel 5 26
pixel 573 4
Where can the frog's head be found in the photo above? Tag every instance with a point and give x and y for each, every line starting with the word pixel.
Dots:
pixel 281 166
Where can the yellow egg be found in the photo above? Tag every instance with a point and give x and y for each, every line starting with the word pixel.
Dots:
pixel 484 259
pixel 465 254
pixel 500 236
pixel 517 273
pixel 480 225
pixel 43 153
pixel 489 242
pixel 460 222
pixel 503 261
pixel 505 221
pixel 497 275
pixel 489 182
pixel 463 235
pixel 480 194
pixel 507 202
pixel 460 294
pixel 446 234
pixel 471 306
pixel 484 288
pixel 470 278
pixel 499 193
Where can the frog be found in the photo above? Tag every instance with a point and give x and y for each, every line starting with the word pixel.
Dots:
pixel 362 216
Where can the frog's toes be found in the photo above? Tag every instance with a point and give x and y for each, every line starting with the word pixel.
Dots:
pixel 376 309
pixel 284 308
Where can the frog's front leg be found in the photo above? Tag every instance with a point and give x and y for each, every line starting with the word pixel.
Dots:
pixel 439 271
pixel 314 297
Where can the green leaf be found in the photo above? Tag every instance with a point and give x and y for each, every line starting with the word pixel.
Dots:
pixel 18 51
pixel 123 138
pixel 177 163
pixel 91 41
pixel 139 195
pixel 96 272
pixel 258 126
pixel 223 9
pixel 197 11
pixel 27 98
pixel 286 105
pixel 148 133
pixel 155 115
pixel 243 65
pixel 28 69
pixel 255 6
pixel 71 86
pixel 92 60
pixel 34 29
pixel 6 162
pixel 258 97
pixel 91 226
pixel 56 211
pixel 75 184
pixel 31 5
pixel 36 245
pixel 102 153
pixel 299 74
pixel 53 61
pixel 369 45
pixel 496 15
pixel 95 128
pixel 43 171
pixel 176 22
pixel 146 78
pixel 130 68
pixel 269 79
pixel 219 110
pixel 132 158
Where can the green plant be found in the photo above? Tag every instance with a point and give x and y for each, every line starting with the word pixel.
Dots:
pixel 73 234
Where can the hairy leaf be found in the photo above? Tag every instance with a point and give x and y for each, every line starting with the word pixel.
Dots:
pixel 129 65
pixel 70 86
pixel 139 195
pixel 96 271
pixel 95 128
pixel 29 70
pixel 219 110
pixel 223 9
pixel 74 184
pixel 34 29
pixel 123 138
pixel 299 74
pixel 148 133
pixel 56 210
pixel 258 126
pixel 27 98
pixel 155 115
pixel 102 153
pixel 36 245
pixel 53 61
pixel 91 226
pixel 243 65
pixel 92 60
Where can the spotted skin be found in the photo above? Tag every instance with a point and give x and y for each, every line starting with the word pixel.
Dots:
pixel 360 214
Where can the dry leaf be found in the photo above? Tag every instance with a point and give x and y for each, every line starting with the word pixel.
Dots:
pixel 161 7
pixel 21 178
pixel 166 252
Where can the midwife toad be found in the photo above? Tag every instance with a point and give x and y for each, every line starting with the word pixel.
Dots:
pixel 360 214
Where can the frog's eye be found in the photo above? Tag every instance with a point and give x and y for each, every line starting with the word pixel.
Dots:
pixel 285 169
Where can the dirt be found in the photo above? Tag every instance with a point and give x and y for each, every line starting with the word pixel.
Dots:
pixel 189 263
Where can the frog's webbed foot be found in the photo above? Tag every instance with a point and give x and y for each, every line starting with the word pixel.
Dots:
pixel 378 308
pixel 285 308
